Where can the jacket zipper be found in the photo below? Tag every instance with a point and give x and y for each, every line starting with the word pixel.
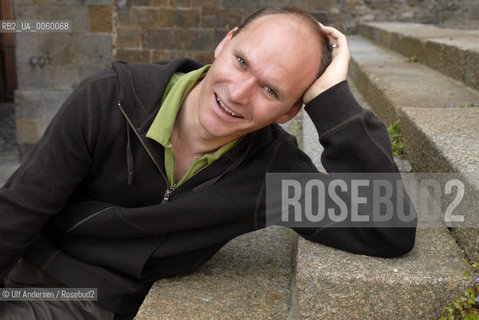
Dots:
pixel 168 190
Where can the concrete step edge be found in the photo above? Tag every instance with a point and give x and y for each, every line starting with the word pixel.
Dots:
pixel 452 52
pixel 445 140
pixel 333 284
pixel 386 80
pixel 390 82
pixel 249 278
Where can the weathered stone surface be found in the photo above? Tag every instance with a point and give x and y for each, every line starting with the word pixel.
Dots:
pixel 133 55
pixel 187 18
pixel 134 17
pixel 100 18
pixel 163 38
pixel 202 40
pixel 249 278
pixel 439 136
pixel 30 130
pixel 447 140
pixel 98 2
pixel 390 82
pixel 95 58
pixel 204 57
pixel 333 284
pixel 53 60
pixel 128 38
pixel 167 17
pixel 161 3
pixel 43 60
pixel 446 50
pixel 240 4
pixel 72 10
pixel 39 103
pixel 219 18
pixel 7 128
pixel 182 3
pixel 9 162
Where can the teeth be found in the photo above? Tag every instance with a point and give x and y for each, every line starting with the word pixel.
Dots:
pixel 226 109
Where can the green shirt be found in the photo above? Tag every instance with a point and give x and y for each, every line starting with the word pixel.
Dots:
pixel 161 128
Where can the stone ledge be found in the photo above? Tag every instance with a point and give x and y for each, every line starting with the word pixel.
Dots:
pixel 389 82
pixel 453 52
pixel 438 138
pixel 249 278
pixel 333 284
pixel 447 140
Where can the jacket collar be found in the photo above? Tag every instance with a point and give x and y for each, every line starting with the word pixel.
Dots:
pixel 142 86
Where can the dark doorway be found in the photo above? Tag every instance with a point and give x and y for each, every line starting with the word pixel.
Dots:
pixel 8 75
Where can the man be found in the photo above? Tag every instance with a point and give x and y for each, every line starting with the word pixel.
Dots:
pixel 148 169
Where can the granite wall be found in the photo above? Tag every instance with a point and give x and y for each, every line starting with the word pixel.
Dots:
pixel 49 66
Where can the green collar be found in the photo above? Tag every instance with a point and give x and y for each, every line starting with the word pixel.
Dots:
pixel 162 127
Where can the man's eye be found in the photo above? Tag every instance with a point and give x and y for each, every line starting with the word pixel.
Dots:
pixel 270 91
pixel 241 62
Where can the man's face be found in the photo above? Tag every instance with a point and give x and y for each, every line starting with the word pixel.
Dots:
pixel 258 76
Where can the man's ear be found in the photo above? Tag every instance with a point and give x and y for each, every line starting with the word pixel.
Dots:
pixel 225 40
pixel 288 115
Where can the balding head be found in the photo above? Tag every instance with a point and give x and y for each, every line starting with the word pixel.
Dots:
pixel 306 20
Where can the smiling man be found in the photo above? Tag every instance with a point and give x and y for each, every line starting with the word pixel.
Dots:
pixel 148 170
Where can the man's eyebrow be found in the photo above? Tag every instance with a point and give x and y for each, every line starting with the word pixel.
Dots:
pixel 279 92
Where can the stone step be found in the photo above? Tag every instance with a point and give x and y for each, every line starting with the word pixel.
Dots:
pixel 249 278
pixel 447 140
pixel 262 276
pixel 439 135
pixel 453 52
pixel 332 284
pixel 390 82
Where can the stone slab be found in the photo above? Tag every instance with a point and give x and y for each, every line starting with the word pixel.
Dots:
pixel 449 51
pixel 249 278
pixel 447 140
pixel 39 103
pixel 390 82
pixel 333 284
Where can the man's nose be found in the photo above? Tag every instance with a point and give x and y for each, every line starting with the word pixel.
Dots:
pixel 242 90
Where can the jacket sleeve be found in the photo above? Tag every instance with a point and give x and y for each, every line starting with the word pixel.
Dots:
pixel 356 141
pixel 41 186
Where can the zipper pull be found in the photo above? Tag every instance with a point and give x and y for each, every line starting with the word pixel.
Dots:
pixel 168 192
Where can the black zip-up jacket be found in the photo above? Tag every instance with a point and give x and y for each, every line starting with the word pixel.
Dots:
pixel 90 204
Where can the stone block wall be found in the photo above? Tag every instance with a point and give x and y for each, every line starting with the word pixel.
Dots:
pixel 161 30
pixel 50 65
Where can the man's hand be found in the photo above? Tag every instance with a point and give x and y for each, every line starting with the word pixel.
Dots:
pixel 337 71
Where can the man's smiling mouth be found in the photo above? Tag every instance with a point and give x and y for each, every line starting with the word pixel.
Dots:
pixel 220 103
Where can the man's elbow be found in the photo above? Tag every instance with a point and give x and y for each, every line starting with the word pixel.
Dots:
pixel 402 243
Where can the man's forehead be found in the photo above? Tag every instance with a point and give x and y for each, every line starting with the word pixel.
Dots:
pixel 277 18
pixel 284 44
